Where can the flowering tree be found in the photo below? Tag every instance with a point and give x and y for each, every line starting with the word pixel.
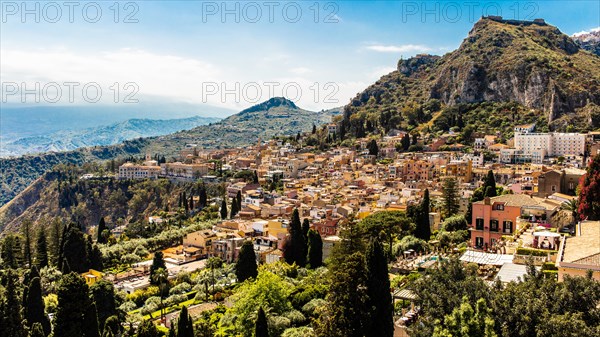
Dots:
pixel 589 191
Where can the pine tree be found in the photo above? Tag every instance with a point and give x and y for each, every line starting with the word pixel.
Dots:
pixel 315 249
pixel 10 251
pixel 26 227
pixel 185 327
pixel 157 263
pixel 54 242
pixel 451 198
pixel 73 302
pixel 245 266
pixel 41 249
pixel 346 313
pixel 378 289
pixel 101 229
pixel 423 229
pixel 34 307
pixel 223 209
pixel 261 326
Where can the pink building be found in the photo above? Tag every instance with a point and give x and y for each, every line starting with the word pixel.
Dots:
pixel 497 216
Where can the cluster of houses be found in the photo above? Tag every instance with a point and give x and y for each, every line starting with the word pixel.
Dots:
pixel 331 186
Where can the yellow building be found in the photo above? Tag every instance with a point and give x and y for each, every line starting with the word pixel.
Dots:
pixel 92 276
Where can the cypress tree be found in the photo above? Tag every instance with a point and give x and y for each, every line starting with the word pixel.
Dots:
pixel 378 289
pixel 315 249
pixel 9 252
pixel 191 202
pixel 103 295
pixel 245 266
pixel 10 313
pixel 54 242
pixel 73 302
pixel 101 228
pixel 451 198
pixel 223 209
pixel 295 249
pixel 74 250
pixel 203 197
pixel 239 200
pixel 184 324
pixel 90 322
pixel 423 229
pixel 261 326
pixel 490 181
pixel 34 307
pixel 234 208
pixel 305 228
pixel 41 249
pixel 157 263
pixel 255 178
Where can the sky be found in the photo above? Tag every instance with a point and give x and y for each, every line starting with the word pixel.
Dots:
pixel 234 54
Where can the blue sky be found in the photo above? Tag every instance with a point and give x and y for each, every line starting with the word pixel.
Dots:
pixel 187 51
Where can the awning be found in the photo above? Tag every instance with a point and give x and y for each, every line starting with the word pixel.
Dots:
pixel 472 256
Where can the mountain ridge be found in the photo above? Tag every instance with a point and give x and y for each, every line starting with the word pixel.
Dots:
pixel 532 64
pixel 17 173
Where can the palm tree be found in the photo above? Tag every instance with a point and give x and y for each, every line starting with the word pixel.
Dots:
pixel 161 276
pixel 213 263
pixel 571 206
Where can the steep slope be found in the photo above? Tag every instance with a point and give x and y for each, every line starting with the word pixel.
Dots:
pixel 276 116
pixel 530 63
pixel 103 135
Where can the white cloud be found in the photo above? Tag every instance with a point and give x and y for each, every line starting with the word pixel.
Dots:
pixel 300 70
pixel 172 77
pixel 405 48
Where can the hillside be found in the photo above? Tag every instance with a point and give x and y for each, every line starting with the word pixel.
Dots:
pixel 531 66
pixel 67 140
pixel 277 116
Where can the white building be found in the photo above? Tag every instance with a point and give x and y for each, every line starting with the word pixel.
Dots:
pixel 133 171
pixel 549 144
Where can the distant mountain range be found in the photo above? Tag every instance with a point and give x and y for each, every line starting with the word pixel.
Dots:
pixel 589 41
pixel 277 116
pixel 105 135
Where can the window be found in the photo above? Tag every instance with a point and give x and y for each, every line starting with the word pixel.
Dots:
pixel 494 225
pixel 479 224
pixel 479 242
pixel 553 188
pixel 507 227
pixel 499 207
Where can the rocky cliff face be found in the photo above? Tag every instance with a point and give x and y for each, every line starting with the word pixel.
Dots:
pixel 535 65
pixel 531 63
